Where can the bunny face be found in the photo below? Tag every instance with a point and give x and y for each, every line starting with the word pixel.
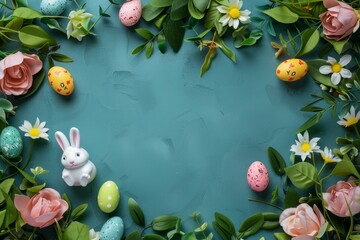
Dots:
pixel 74 157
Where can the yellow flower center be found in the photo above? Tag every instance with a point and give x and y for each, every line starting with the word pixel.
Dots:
pixel 352 121
pixel 326 159
pixel 234 13
pixel 34 132
pixel 305 147
pixel 336 68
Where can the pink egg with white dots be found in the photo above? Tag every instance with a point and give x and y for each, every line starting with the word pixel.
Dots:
pixel 258 176
pixel 130 12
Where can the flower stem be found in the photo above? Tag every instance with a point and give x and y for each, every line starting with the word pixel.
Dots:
pixel 356 131
pixel 267 203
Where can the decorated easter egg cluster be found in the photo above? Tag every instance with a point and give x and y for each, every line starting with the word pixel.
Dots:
pixel 52 7
pixel 291 70
pixel 11 142
pixel 258 176
pixel 60 80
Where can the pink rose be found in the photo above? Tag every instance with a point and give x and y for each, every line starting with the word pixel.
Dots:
pixel 343 199
pixel 339 21
pixel 42 209
pixel 302 222
pixel 16 72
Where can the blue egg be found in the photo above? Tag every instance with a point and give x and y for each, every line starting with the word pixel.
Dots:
pixel 53 7
pixel 112 229
pixel 11 142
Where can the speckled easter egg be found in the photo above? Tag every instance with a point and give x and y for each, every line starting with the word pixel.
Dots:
pixel 112 229
pixel 61 80
pixel 108 197
pixel 130 12
pixel 52 7
pixel 11 142
pixel 292 70
pixel 258 176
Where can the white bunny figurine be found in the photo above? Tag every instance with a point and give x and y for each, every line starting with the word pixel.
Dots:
pixel 79 170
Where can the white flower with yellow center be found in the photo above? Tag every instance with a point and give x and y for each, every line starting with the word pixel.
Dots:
pixel 232 14
pixel 328 156
pixel 350 118
pixel 36 131
pixel 79 24
pixel 304 147
pixel 337 69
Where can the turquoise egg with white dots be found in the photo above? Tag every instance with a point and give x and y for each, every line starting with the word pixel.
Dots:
pixel 112 229
pixel 52 7
pixel 11 144
pixel 108 197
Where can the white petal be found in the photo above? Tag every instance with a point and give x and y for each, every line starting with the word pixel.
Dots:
pixel 345 73
pixel 42 125
pixel 331 60
pixel 352 112
pixel 326 69
pixel 244 19
pixel 344 60
pixel 300 137
pixel 236 23
pixel 231 22
pixel 306 136
pixel 335 78
pixel 223 9
pixel 239 4
pixel 245 13
pixel 224 20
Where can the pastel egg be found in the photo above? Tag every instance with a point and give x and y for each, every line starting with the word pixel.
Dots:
pixel 108 197
pixel 130 12
pixel 11 142
pixel 52 7
pixel 61 80
pixel 292 70
pixel 258 176
pixel 113 229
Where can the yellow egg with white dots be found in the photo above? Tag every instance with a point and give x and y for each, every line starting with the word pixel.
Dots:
pixel 60 80
pixel 291 70
pixel 108 197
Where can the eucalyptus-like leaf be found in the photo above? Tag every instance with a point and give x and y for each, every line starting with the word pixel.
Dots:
pixel 161 3
pixel 195 12
pixel 78 211
pixel 309 40
pixel 35 37
pixel 312 109
pixel 6 105
pixel 281 236
pixel 164 223
pixel 138 49
pixel 328 98
pixel 338 45
pixel 277 162
pixel 60 57
pixel 225 49
pixel 133 236
pixel 211 54
pixel 179 10
pixel 275 194
pixel 11 212
pixel 143 32
pixel 149 12
pixel 225 223
pixel 174 34
pixel 310 122
pixel 159 22
pixel 251 225
pixel 270 225
pixel 303 174
pixel 136 213
pixel 149 49
pixel 26 13
pixel 5 186
pixel 2 216
pixel 291 198
pixel 345 168
pixel 76 231
pixel 282 14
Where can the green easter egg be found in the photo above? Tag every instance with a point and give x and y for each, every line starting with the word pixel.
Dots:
pixel 11 142
pixel 108 197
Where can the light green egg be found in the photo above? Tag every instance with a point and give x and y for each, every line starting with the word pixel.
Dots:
pixel 11 142
pixel 108 197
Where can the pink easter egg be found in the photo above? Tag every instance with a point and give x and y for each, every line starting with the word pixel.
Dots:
pixel 258 176
pixel 130 12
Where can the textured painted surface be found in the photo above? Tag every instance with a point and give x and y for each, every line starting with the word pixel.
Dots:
pixel 175 142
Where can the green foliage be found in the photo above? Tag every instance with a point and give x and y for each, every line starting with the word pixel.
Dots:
pixel 282 14
pixel 75 231
pixel 224 226
pixel 136 213
pixel 309 40
pixel 34 36
pixel 277 161
pixel 251 225
pixel 303 175
pixel 164 223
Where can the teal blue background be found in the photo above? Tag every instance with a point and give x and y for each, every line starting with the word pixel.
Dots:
pixel 175 142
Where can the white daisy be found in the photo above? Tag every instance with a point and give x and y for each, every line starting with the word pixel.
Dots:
pixel 36 131
pixel 304 146
pixel 232 14
pixel 328 156
pixel 350 118
pixel 337 69
pixel 94 235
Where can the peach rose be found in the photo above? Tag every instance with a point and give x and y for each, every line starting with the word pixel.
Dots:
pixel 42 209
pixel 339 21
pixel 343 199
pixel 302 222
pixel 16 73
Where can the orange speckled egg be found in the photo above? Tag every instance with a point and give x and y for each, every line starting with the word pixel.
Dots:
pixel 61 80
pixel 258 176
pixel 291 70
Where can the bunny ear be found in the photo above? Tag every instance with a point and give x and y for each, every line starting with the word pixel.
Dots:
pixel 75 137
pixel 62 140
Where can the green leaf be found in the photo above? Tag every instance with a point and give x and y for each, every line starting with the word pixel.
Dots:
pixel 303 175
pixel 281 236
pixel 164 223
pixel 194 12
pixel 270 28
pixel 312 109
pixel 309 40
pixel 150 12
pixel 338 45
pixel 136 213
pixel 161 43
pixel 179 10
pixel 78 211
pixel 161 3
pixel 102 13
pixel 53 24
pixel 76 231
pixel 212 15
pixel 275 195
pixel 314 66
pixel 277 161
pixel 310 122
pixel 282 14
pixel 138 49
pixel 2 216
pixel 251 225
pixel 60 57
pixel 201 5
pixel 149 49
pixel 224 225
pixel 225 49
pixel 345 168
pixel 5 186
pixel 211 54
pixel 153 237
pixel 11 212
pixel 35 189
pixel 35 37
pixel 291 198
pixel 6 105
pixel 133 236
pixel 189 236
pixel 15 24
pixel 143 32
pixel 26 13
pixel 174 34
